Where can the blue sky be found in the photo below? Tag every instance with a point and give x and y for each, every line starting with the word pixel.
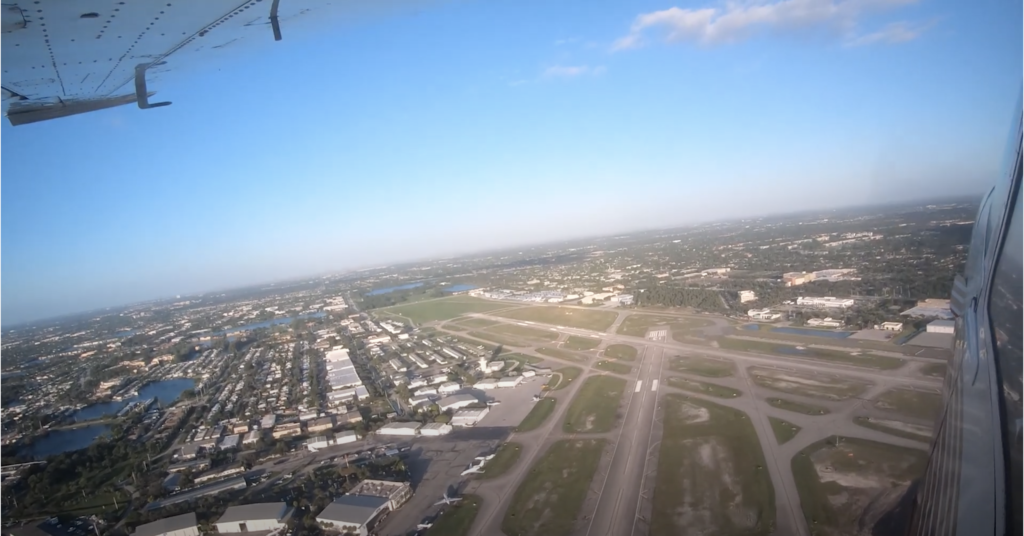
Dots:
pixel 449 127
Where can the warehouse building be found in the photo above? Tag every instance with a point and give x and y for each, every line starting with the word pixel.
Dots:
pixel 183 525
pixel 253 518
pixel 289 429
pixel 435 429
pixel 448 388
pixel 252 437
pixel 268 421
pixel 510 381
pixel 399 428
pixel 358 511
pixel 456 402
pixel 940 326
pixel 321 424
pixel 486 384
pixel 469 417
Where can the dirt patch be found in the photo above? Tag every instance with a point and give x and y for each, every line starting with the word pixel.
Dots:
pixel 691 414
pixel 824 387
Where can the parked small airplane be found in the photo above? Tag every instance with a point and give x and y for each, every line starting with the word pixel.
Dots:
pixel 448 500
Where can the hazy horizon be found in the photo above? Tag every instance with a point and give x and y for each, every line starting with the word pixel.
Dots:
pixel 228 287
pixel 425 131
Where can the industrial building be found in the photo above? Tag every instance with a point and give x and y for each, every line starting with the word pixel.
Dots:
pixel 418 400
pixel 747 296
pixel 940 326
pixel 892 326
pixel 933 308
pixel 252 437
pixel 398 365
pixel 456 402
pixel 825 301
pixel 285 430
pixel 268 421
pixel 253 518
pixel 321 442
pixel 399 428
pixel 486 384
pixel 435 429
pixel 469 417
pixel 183 525
pixel 230 442
pixel 341 375
pixel 423 391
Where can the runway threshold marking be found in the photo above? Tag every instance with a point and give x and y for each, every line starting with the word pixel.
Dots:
pixel 654 385
pixel 639 384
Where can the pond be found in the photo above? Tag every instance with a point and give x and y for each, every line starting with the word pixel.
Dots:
pixel 166 390
pixel 386 290
pixel 265 324
pixel 60 441
pixel 460 288
pixel 814 332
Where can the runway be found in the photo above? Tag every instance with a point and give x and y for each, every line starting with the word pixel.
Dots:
pixel 619 501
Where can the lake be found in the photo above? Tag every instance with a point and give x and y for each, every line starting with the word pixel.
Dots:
pixel 64 440
pixel 386 290
pixel 265 324
pixel 166 390
pixel 460 288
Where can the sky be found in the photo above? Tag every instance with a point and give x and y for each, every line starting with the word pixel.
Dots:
pixel 402 131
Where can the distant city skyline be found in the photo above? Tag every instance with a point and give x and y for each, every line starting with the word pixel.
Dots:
pixel 439 130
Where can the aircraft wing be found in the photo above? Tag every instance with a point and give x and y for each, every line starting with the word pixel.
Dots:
pixel 63 58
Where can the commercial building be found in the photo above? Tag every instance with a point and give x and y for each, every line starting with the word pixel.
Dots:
pixel 510 381
pixel 892 326
pixel 252 437
pixel 792 279
pixel 230 442
pixel 253 518
pixel 348 417
pixel 469 417
pixel 486 384
pixel 448 388
pixel 940 326
pixel 763 314
pixel 322 442
pixel 747 296
pixel 285 430
pixel 321 424
pixel 310 415
pixel 456 402
pixel 268 421
pixel 435 429
pixel 399 428
pixel 183 525
pixel 827 322
pixel 240 428
pixel 828 302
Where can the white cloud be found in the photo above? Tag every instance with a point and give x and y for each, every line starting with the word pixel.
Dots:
pixel 897 32
pixel 572 71
pixel 738 21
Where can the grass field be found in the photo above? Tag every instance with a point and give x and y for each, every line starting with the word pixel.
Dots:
pixel 506 456
pixel 865 360
pixel 475 323
pixel 636 325
pixel 522 332
pixel 451 326
pixel 784 430
pixel 702 366
pixel 457 519
pixel 797 407
pixel 896 428
pixel 935 370
pixel 837 484
pixel 623 352
pixel 522 359
pixel 475 344
pixel 549 499
pixel 443 309
pixel 561 354
pixel 797 383
pixel 596 406
pixel 500 339
pixel 613 367
pixel 542 409
pixel 564 316
pixel 706 388
pixel 565 375
pixel 581 343
pixel 916 404
pixel 710 477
